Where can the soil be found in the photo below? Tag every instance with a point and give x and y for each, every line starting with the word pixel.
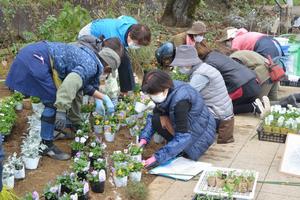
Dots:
pixel 48 168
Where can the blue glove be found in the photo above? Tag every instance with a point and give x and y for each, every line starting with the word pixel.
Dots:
pixel 100 109
pixel 109 104
pixel 61 120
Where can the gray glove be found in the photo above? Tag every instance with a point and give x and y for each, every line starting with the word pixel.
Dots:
pixel 61 120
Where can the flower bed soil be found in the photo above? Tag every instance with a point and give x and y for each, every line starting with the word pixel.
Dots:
pixel 48 168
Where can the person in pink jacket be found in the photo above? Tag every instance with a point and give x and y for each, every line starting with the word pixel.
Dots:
pixel 241 39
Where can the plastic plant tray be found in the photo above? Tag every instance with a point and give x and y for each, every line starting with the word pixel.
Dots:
pixel 203 188
pixel 270 137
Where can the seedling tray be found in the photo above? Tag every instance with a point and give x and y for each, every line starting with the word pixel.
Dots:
pixel 203 188
pixel 270 137
pixel 290 83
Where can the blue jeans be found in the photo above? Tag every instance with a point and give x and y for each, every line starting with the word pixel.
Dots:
pixel 48 121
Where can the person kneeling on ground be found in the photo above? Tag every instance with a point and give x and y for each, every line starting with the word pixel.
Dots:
pixel 180 116
pixel 59 74
pixel 210 83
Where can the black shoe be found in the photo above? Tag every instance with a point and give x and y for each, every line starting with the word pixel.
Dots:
pixel 54 152
pixel 256 109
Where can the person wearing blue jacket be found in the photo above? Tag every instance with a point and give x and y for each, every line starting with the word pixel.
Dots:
pixel 180 116
pixel 130 33
pixel 59 74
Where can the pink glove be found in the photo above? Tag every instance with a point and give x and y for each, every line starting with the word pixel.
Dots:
pixel 149 161
pixel 142 143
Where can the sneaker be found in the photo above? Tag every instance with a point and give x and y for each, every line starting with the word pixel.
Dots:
pixel 267 104
pixel 258 108
pixel 55 153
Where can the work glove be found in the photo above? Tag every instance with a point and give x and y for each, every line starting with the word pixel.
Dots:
pixel 100 109
pixel 142 143
pixel 109 104
pixel 61 120
pixel 150 162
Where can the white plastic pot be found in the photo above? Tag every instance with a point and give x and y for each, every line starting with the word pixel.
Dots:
pixel 109 137
pixel 121 181
pixel 98 129
pixel 157 138
pixel 135 176
pixel 37 107
pixel 137 158
pixel 19 106
pixel 31 163
pixel 20 174
pixel 85 99
pixel 139 107
pixel 9 182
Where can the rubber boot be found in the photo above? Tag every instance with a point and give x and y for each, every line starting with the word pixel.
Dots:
pixel 225 131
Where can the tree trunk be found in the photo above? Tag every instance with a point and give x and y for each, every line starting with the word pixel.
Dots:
pixel 179 12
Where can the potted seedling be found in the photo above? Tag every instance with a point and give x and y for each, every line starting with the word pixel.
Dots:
pixel 30 150
pixel 121 173
pixel 135 169
pixel 30 196
pixel 135 152
pixel 80 190
pixel 250 182
pixel 65 182
pixel 110 128
pixel 86 109
pixel 98 126
pixel 220 179
pixel 78 145
pixel 36 104
pixel 81 165
pixel 18 164
pixel 97 180
pixel 119 158
pixel 99 164
pixel 211 179
pixel 8 177
pixel 242 184
pixel 18 97
pixel 95 151
pixel 51 192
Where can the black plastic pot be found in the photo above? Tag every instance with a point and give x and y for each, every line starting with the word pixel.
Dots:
pixel 74 152
pixel 98 187
pixel 64 189
pixel 81 175
pixel 83 197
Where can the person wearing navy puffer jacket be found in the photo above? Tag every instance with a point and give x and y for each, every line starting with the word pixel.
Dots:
pixel 180 116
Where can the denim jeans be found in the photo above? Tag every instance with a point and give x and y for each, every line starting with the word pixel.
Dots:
pixel 48 121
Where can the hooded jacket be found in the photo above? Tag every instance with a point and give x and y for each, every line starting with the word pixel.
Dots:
pixel 113 28
pixel 201 125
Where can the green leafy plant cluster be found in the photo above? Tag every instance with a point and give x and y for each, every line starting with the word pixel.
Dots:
pixel 8 115
pixel 137 191
pixel 66 25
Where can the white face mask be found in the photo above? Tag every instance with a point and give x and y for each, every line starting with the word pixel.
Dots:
pixel 159 98
pixel 185 70
pixel 198 38
pixel 132 45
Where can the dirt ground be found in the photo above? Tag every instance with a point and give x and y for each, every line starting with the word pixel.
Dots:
pixel 48 168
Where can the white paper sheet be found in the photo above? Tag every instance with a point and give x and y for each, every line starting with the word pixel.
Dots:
pixel 290 162
pixel 180 168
